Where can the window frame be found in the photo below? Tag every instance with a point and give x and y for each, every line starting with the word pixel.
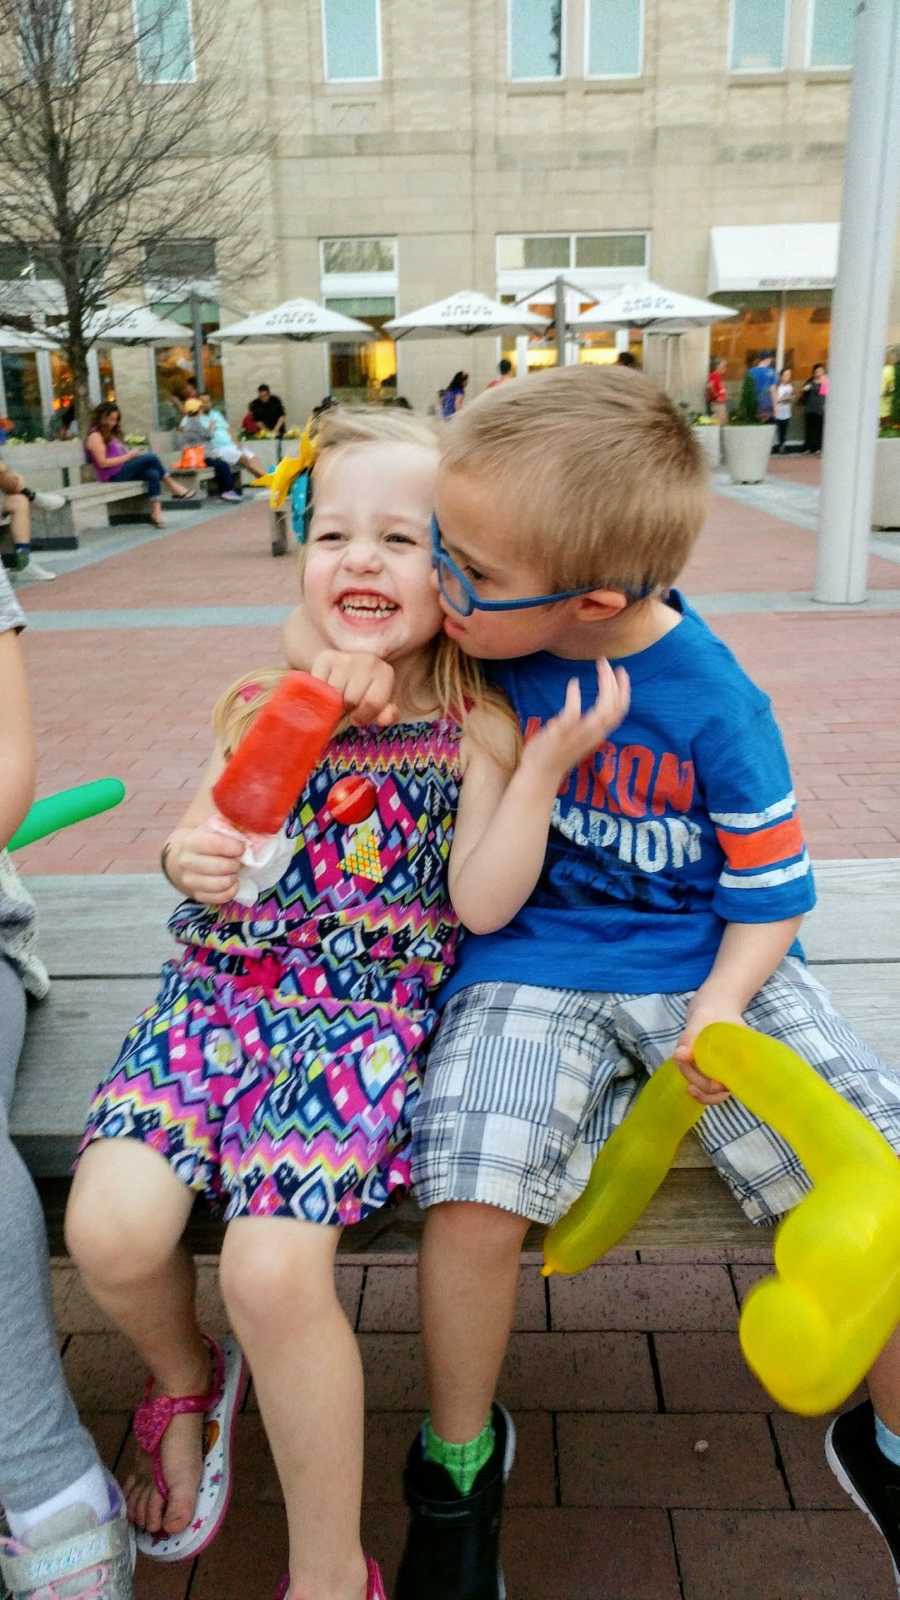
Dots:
pixel 357 238
pixel 557 77
pixel 749 72
pixel 149 82
pixel 615 77
pixel 378 76
pixel 811 66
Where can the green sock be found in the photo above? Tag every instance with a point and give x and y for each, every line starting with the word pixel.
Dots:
pixel 23 555
pixel 462 1461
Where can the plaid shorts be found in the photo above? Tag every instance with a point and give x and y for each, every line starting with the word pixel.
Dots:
pixel 524 1086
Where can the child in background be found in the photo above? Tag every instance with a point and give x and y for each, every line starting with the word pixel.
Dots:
pixel 65 1514
pixel 280 1065
pixel 675 881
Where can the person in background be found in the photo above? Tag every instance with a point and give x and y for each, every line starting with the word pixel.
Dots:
pixel 763 375
pixel 67 1531
pixel 189 391
pixel 16 500
pixel 105 450
pixel 504 373
pixel 716 392
pixel 782 403
pixel 63 424
pixel 453 396
pixel 626 359
pixel 222 447
pixel 268 410
pixel 815 392
pixel 195 427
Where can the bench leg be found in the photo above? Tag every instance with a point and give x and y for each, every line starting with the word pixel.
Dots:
pixel 278 527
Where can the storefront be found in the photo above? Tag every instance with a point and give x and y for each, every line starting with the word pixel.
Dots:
pixel 593 265
pixel 780 279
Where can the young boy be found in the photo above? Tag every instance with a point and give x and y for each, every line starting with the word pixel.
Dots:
pixel 675 881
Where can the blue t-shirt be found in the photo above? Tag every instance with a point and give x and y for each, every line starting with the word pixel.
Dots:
pixel 682 822
pixel 764 382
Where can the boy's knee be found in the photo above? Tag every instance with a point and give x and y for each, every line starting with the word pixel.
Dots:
pixel 478 1229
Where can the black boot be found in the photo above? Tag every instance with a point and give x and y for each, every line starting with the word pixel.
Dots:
pixel 453 1542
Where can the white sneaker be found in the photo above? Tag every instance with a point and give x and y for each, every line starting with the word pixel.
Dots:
pixel 49 502
pixel 73 1556
pixel 35 573
pixel 231 494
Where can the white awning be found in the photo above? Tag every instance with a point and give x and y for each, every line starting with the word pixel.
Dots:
pixel 778 255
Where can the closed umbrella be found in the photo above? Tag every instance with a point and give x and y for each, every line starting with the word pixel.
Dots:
pixel 303 321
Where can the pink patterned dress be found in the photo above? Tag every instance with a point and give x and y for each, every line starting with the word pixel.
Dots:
pixel 279 1065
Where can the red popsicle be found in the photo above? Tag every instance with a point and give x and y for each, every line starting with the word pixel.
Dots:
pixel 271 764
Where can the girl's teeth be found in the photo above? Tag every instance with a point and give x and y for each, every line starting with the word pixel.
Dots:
pixel 362 608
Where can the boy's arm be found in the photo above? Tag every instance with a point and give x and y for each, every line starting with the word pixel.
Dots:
pixel 502 823
pixel 765 884
pixel 748 955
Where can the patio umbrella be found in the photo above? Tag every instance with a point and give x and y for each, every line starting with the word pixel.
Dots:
pixel 299 320
pixel 134 325
pixel 649 306
pixel 465 314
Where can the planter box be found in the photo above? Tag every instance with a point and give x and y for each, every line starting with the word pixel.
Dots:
pixel 747 451
pixel 886 505
pixel 709 438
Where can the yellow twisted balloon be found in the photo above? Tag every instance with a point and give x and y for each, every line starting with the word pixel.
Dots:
pixel 811 1332
pixel 279 479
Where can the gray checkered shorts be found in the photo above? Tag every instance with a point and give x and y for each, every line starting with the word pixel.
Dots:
pixel 524 1086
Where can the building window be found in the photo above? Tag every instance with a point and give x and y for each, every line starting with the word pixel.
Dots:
pixel 359 279
pixel 535 39
pixel 831 33
pixel 164 34
pixel 518 253
pixel 610 250
pixel 534 252
pixel 47 42
pixel 758 35
pixel 352 34
pixel 179 260
pixel 614 33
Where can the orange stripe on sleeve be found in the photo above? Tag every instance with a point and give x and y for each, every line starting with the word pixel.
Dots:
pixel 763 848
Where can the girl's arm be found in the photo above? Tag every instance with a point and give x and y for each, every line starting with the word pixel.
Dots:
pixel 502 823
pixel 17 773
pixel 96 449
pixel 199 860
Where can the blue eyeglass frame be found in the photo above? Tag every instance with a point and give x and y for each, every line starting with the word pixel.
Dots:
pixel 442 562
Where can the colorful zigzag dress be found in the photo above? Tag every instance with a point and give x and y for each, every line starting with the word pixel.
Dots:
pixel 278 1067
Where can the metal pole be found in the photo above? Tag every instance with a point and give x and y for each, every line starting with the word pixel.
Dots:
pixel 861 294
pixel 559 326
pixel 197 325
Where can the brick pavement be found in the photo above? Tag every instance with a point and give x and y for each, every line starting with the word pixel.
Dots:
pixel 651 1465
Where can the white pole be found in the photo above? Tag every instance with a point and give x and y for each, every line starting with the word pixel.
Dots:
pixel 861 295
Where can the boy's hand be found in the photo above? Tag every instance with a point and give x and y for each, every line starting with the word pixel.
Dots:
pixel 571 736
pixel 365 681
pixel 704 1009
pixel 204 862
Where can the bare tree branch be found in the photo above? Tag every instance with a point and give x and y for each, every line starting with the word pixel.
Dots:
pixel 121 126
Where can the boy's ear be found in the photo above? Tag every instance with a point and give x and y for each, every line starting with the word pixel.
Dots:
pixel 600 605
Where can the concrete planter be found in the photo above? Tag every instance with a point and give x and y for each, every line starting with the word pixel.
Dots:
pixel 709 438
pixel 747 450
pixel 886 505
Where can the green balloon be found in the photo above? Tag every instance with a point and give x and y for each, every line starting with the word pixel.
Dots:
pixel 69 806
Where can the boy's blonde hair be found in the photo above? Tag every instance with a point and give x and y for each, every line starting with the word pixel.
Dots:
pixel 604 480
pixel 457 681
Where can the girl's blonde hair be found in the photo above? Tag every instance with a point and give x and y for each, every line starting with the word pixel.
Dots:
pixel 458 683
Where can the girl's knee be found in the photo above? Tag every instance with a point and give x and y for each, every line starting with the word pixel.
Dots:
pixel 271 1271
pixel 125 1214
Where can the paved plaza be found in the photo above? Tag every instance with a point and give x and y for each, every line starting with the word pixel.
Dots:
pixel 651 1465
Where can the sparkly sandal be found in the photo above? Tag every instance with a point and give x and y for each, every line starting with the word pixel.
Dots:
pixel 375 1589
pixel 220 1407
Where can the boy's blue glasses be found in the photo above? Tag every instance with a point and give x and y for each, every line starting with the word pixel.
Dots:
pixel 459 592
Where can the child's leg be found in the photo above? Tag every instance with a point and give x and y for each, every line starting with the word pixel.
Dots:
pixel 278 1284
pixel 468 1275
pixel 126 1215
pixel 884 1384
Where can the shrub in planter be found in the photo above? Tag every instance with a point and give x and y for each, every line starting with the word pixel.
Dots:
pixel 747 441
pixel 886 505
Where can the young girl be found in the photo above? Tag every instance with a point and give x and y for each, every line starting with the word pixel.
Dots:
pixel 782 404
pixel 279 1066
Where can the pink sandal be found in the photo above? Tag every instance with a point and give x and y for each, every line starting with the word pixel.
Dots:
pixel 375 1589
pixel 220 1406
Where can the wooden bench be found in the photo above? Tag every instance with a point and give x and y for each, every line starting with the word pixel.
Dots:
pixel 104 939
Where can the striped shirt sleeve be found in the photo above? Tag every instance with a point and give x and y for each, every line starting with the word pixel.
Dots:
pixel 766 874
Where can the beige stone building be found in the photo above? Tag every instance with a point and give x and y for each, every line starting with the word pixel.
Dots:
pixel 425 146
